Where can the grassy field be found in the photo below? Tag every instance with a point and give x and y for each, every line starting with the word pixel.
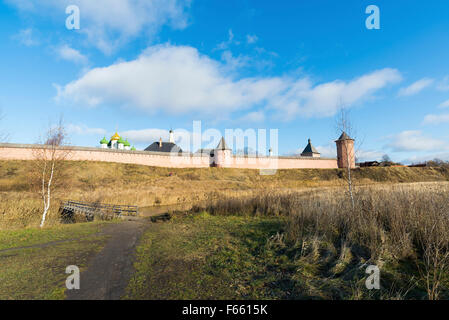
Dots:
pixel 402 229
pixel 205 257
pixel 292 235
pixel 33 261
pixel 261 256
pixel 149 186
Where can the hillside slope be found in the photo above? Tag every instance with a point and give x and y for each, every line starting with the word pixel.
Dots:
pixel 145 186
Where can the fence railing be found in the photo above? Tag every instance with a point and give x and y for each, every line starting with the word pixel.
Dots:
pixel 99 210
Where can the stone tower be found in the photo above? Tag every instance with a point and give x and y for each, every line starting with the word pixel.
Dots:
pixel 345 151
pixel 310 151
pixel 222 155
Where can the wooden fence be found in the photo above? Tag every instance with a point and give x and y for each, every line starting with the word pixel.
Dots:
pixel 69 209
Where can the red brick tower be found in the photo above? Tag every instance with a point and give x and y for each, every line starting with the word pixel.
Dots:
pixel 345 151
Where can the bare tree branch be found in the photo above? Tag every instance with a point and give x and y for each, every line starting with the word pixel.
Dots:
pixel 343 125
pixel 48 174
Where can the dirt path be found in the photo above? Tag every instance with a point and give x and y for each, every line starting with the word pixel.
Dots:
pixel 109 272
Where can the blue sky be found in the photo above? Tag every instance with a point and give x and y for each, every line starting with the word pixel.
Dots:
pixel 147 66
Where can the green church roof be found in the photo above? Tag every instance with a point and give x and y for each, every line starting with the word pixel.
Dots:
pixel 126 143
pixel 133 148
pixel 104 141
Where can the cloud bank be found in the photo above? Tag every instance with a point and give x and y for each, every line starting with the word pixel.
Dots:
pixel 414 140
pixel 178 80
pixel 109 24
pixel 67 53
pixel 416 87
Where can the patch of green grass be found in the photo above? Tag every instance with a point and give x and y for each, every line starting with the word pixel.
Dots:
pixel 34 236
pixel 208 257
pixel 38 272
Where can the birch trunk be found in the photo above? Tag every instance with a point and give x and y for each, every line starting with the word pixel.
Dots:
pixel 47 197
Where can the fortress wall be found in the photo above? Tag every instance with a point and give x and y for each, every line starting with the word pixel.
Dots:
pixel 157 159
pixel 282 163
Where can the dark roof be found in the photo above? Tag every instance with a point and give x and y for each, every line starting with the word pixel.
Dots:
pixel 344 136
pixel 369 164
pixel 166 147
pixel 309 148
pixel 222 145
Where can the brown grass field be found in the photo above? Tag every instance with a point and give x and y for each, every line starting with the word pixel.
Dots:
pixel 292 235
pixel 150 186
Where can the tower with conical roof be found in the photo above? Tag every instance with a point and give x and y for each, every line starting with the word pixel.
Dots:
pixel 222 154
pixel 310 151
pixel 345 151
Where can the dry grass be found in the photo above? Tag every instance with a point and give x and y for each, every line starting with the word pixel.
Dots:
pixel 149 186
pixel 404 229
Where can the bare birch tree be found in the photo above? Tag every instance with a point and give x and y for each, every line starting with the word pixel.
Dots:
pixel 343 125
pixel 48 174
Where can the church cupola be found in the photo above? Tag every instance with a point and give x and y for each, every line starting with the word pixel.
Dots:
pixel 104 143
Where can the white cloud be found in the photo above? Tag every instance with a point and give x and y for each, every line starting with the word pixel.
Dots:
pixel 111 23
pixel 145 135
pixel 369 155
pixel 324 100
pixel 444 104
pixel 250 39
pixel 414 140
pixel 178 79
pixel 327 151
pixel 427 157
pixel 255 116
pixel 174 79
pixel 225 44
pixel 84 130
pixel 416 87
pixel 26 37
pixel 436 118
pixel 70 54
pixel 232 62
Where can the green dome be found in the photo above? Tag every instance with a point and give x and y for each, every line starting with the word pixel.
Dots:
pixel 104 141
pixel 133 148
pixel 126 143
pixel 121 141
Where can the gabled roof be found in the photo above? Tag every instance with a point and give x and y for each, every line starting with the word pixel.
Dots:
pixel 166 147
pixel 222 145
pixel 344 136
pixel 309 148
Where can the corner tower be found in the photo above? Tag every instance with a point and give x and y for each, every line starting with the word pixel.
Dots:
pixel 310 151
pixel 345 151
pixel 222 154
